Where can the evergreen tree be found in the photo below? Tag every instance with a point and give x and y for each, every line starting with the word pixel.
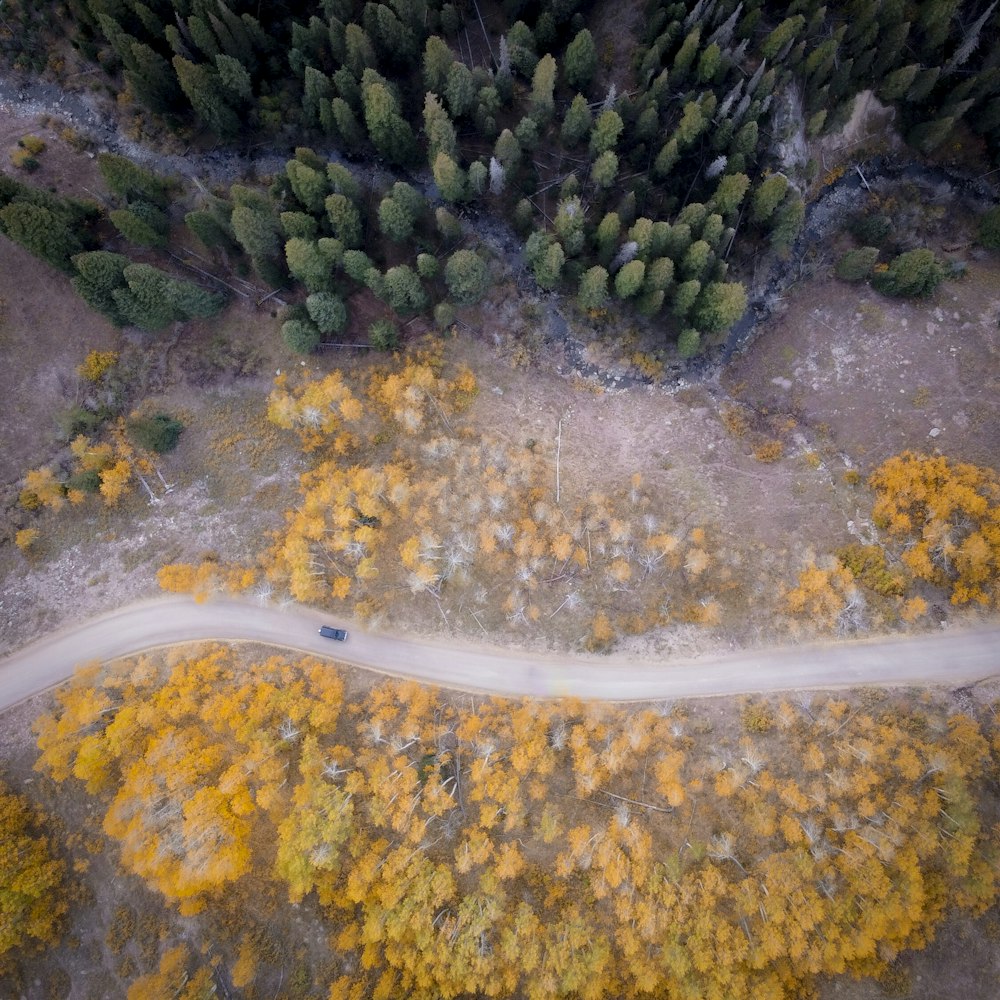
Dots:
pixel 202 88
pixel 593 292
pixel 158 433
pixel 604 171
pixel 549 264
pixel 857 265
pixel 915 273
pixel 234 79
pixel 152 80
pixel 345 220
pixel 390 133
pixel 767 197
pixel 466 276
pixel 521 46
pixel 300 336
pixel 403 290
pixel 313 262
pixel 607 237
pixel 688 342
pixel 449 178
pixel 98 274
pixel 299 224
pixel 729 194
pixel 569 225
pixel 346 125
pixel 543 84
pixel 460 90
pixel 342 181
pixel 629 279
pixel 144 302
pixel 439 129
pixel 130 181
pixel 580 62
pixel 719 305
pixel 141 223
pixel 317 92
pixel 437 62
pixel 607 129
pixel 327 311
pixel 684 297
pixel 577 123
pixel 310 186
pixel 507 150
pixel 41 233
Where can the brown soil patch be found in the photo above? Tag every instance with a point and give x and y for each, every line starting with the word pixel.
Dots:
pixel 880 375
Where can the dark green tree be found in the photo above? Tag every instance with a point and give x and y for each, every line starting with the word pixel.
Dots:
pixel 203 89
pixel 300 335
pixel 466 276
pixel 580 61
pixel 577 123
pixel 327 311
pixel 41 232
pixel 916 273
pixel 98 274
pixel 159 432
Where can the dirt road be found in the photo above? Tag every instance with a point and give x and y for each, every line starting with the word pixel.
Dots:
pixel 951 658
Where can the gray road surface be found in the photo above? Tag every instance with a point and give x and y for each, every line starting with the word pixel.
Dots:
pixel 952 658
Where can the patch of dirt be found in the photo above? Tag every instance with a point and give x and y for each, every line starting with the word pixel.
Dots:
pixel 45 332
pixel 879 375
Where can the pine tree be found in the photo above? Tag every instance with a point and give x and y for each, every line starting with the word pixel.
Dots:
pixel 607 129
pixel 593 291
pixel 234 79
pixel 403 290
pixel 460 90
pixel 507 150
pixel 580 62
pixel 629 279
pixel 202 89
pixel 317 91
pixel 41 233
pixel 390 133
pixel 141 223
pixel 767 197
pixel 577 123
pixel 152 79
pixel 130 181
pixel 310 186
pixel 543 84
pixel 437 62
pixel 719 305
pixel 327 311
pixel 604 171
pixel 466 276
pixel 449 178
pixel 301 336
pixel 98 274
pixel 439 129
pixel 313 262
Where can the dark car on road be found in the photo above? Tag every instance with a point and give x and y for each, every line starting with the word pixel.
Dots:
pixel 329 632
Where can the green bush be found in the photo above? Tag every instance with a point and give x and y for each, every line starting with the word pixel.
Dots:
pixel 911 274
pixel 688 342
pixel 857 265
pixel 383 335
pixel 989 229
pixel 300 335
pixel 870 230
pixel 158 433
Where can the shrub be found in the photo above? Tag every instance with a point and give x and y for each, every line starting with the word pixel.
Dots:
pixel 383 335
pixel 757 717
pixel 467 277
pixel 688 342
pixel 871 230
pixel 327 311
pixel 158 433
pixel 300 335
pixel 989 229
pixel 857 265
pixel 911 274
pixel 867 564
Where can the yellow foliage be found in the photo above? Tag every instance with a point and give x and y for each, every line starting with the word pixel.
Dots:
pixel 949 514
pixel 96 365
pixel 41 484
pixel 821 593
pixel 26 538
pixel 115 480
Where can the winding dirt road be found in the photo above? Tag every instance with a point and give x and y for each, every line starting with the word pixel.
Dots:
pixel 953 658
